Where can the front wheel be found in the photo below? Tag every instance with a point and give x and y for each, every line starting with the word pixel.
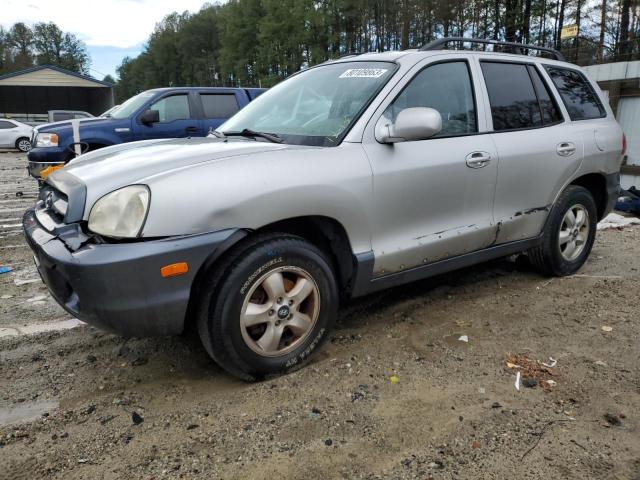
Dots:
pixel 268 307
pixel 568 235
pixel 23 144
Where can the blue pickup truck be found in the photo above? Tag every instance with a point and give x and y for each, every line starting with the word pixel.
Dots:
pixel 157 113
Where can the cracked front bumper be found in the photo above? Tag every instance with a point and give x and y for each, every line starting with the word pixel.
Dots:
pixel 118 287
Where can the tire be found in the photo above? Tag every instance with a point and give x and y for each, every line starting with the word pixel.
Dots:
pixel 248 287
pixel 555 256
pixel 23 144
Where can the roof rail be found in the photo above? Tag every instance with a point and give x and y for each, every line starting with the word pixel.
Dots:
pixel 517 47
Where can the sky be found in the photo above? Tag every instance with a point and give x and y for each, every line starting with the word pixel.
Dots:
pixel 111 29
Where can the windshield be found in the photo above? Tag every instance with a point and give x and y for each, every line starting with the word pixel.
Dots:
pixel 315 107
pixel 134 103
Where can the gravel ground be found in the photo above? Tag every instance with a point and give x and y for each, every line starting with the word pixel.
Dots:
pixel 393 394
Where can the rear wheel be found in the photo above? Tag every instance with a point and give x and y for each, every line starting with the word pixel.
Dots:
pixel 268 307
pixel 23 144
pixel 569 233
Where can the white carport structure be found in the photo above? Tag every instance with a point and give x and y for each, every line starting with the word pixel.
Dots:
pixel 621 83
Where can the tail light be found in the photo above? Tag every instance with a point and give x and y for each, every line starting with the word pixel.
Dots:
pixel 624 145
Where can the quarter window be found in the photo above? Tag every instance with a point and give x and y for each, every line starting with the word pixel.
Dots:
pixel 513 100
pixel 577 94
pixel 175 107
pixel 219 105
pixel 548 107
pixel 445 87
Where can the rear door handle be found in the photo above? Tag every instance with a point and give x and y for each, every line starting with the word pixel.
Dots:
pixel 478 159
pixel 566 149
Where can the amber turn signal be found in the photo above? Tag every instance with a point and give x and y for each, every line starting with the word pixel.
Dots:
pixel 174 269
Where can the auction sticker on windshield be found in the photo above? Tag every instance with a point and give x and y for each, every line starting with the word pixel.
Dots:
pixel 363 73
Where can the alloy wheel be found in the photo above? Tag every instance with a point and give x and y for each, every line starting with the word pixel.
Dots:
pixel 279 311
pixel 574 232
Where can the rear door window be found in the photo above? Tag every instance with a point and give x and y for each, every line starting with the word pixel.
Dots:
pixel 514 104
pixel 4 125
pixel 219 105
pixel 577 93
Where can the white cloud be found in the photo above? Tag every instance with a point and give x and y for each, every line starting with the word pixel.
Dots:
pixel 117 23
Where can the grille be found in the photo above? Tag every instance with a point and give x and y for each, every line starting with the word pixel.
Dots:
pixel 54 202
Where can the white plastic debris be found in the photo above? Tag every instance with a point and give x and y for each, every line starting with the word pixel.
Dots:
pixel 614 220
pixel 464 338
pixel 552 363
pixel 517 385
pixel 38 298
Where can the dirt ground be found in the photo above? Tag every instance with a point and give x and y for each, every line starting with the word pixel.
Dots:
pixel 393 394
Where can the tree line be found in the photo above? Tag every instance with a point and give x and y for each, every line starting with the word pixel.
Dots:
pixel 22 46
pixel 260 42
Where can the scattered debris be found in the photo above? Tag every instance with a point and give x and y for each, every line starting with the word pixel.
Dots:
pixel 5 269
pixel 192 426
pixel 532 370
pixel 551 383
pixel 552 363
pixel 496 405
pixel 19 281
pixel 615 220
pixel 600 363
pixel 464 338
pixel 328 442
pixel 475 445
pixel 394 379
pixel 612 420
pixel 606 328
pixel 36 299
pixel 517 385
pixel 136 418
pixel 529 382
pixel 139 361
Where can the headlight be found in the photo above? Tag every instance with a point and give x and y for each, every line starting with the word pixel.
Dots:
pixel 122 213
pixel 46 140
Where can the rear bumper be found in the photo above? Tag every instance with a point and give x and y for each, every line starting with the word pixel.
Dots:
pixel 118 287
pixel 613 192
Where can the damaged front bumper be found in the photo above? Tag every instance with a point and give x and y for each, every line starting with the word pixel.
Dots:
pixel 118 287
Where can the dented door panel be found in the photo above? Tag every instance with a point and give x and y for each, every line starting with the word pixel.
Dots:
pixel 530 175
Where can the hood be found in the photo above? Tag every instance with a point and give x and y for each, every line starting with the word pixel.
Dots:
pixel 113 167
pixel 53 126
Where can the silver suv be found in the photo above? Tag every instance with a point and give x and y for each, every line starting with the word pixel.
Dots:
pixel 347 178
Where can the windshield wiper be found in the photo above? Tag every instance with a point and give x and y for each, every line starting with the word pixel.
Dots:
pixel 272 137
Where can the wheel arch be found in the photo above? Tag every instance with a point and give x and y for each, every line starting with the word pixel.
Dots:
pixel 326 233
pixel 596 184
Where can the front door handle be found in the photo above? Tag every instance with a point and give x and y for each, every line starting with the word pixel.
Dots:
pixel 566 149
pixel 478 159
pixel 192 130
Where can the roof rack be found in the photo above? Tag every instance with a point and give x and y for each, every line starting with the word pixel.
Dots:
pixel 517 47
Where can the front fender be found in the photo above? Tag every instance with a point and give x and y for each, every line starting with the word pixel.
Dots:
pixel 256 190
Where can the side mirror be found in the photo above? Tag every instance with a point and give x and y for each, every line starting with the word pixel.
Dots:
pixel 416 123
pixel 150 116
